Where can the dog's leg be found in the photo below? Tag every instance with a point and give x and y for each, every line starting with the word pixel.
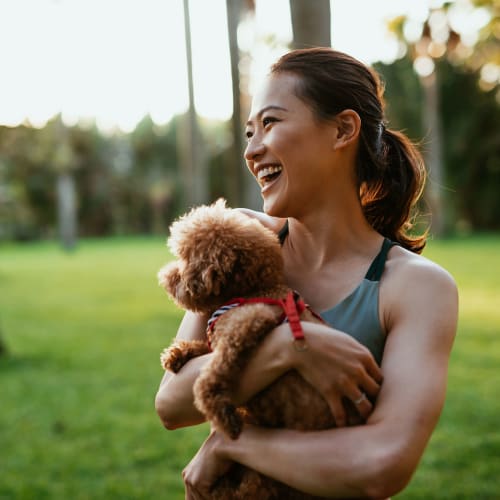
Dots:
pixel 173 358
pixel 237 334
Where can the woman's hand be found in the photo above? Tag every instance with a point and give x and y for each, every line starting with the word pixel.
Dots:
pixel 205 468
pixel 339 367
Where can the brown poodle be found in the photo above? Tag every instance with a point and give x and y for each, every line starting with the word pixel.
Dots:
pixel 223 254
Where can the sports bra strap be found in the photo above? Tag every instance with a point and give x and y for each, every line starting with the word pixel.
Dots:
pixel 283 233
pixel 376 269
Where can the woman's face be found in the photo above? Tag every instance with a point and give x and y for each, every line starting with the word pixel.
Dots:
pixel 289 152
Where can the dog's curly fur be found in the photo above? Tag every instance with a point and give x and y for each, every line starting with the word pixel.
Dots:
pixel 222 254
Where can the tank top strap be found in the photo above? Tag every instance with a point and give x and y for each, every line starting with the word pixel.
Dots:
pixel 283 233
pixel 377 266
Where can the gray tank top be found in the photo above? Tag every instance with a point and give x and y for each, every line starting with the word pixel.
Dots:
pixel 358 314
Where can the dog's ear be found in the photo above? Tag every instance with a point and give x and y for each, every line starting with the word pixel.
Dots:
pixel 211 280
pixel 169 278
pixel 201 285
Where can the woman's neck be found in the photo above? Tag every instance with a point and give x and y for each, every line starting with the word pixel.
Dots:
pixel 329 236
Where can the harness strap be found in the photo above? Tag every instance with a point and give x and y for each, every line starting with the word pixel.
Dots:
pixel 293 306
pixel 292 312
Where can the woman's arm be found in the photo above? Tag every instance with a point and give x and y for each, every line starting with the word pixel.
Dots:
pixel 174 399
pixel 350 368
pixel 375 460
pixel 334 362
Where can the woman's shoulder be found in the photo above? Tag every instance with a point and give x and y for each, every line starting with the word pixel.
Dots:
pixel 273 223
pixel 406 266
pixel 418 300
pixel 412 279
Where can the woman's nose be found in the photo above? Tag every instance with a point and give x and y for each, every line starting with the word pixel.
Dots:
pixel 254 148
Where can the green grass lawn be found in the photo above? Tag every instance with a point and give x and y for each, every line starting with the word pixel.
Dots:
pixel 84 331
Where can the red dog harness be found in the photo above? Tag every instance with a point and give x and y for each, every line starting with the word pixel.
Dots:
pixel 293 306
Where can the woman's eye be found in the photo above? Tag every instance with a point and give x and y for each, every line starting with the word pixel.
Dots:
pixel 268 120
pixel 248 135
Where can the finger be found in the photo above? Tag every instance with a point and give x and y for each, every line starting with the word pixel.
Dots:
pixel 362 404
pixel 374 371
pixel 371 387
pixel 338 411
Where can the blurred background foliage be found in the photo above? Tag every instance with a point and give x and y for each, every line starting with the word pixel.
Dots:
pixel 65 181
pixel 80 333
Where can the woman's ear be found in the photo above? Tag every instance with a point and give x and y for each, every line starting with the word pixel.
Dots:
pixel 348 128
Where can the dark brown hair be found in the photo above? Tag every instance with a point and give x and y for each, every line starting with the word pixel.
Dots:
pixel 390 169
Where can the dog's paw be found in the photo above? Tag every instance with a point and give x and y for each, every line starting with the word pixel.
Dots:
pixel 180 352
pixel 172 359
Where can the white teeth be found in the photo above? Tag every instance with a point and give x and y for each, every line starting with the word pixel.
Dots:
pixel 273 169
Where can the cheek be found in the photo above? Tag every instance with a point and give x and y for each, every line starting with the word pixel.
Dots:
pixel 310 153
pixel 294 142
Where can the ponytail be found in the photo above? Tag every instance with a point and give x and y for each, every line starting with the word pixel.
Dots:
pixel 391 186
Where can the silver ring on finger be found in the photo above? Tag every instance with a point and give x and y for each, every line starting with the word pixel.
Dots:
pixel 360 399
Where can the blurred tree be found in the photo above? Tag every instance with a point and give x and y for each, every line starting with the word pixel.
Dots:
pixel 401 81
pixel 471 143
pixel 235 167
pixel 433 153
pixel 471 124
pixel 26 183
pixel 193 160
pixel 310 23
pixel 480 53
pixel 64 161
pixel 437 39
pixel 93 180
pixel 153 164
pixel 124 183
pixel 239 187
pixel 40 165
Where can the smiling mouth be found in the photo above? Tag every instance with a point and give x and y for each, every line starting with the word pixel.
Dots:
pixel 268 174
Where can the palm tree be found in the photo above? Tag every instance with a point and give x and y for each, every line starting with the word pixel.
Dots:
pixel 241 189
pixel 235 172
pixel 311 26
pixel 311 23
pixel 193 160
pixel 64 163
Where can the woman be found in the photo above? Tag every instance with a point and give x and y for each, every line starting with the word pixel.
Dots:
pixel 339 186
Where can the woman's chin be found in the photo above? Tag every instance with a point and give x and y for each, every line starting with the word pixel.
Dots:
pixel 273 208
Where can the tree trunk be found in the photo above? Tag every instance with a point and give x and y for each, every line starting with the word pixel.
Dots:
pixel 433 154
pixel 194 165
pixel 63 162
pixel 235 170
pixel 310 23
pixel 66 209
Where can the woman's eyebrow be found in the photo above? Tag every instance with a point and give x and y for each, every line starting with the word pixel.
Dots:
pixel 267 108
